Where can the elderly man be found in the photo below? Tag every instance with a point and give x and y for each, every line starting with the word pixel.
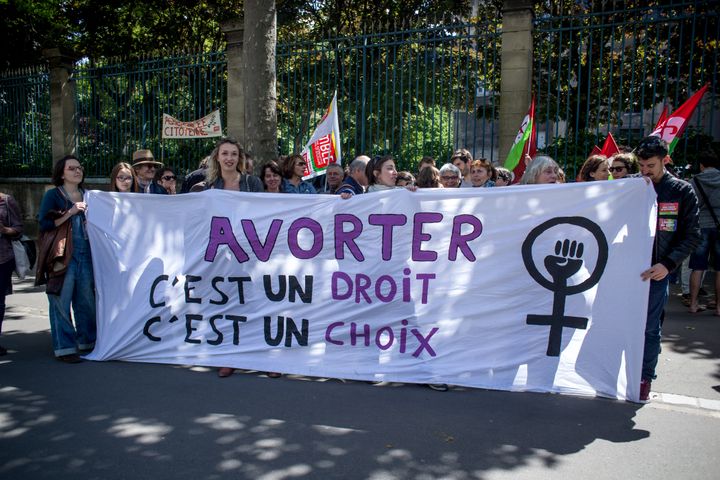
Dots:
pixel 356 181
pixel 333 178
pixel 144 165
pixel 450 176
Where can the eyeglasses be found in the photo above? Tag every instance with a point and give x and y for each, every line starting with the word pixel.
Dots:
pixel 72 168
pixel 616 169
pixel 167 178
pixel 124 179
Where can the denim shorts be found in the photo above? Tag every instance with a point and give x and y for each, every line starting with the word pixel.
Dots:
pixel 710 244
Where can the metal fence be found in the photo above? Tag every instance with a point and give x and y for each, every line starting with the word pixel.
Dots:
pixel 25 143
pixel 614 71
pixel 409 92
pixel 120 108
pixel 414 92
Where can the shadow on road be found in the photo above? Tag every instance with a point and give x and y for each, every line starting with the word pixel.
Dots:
pixel 121 420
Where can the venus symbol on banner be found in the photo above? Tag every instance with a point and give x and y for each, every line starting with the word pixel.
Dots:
pixel 564 264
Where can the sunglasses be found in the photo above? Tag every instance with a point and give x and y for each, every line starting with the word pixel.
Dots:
pixel 72 168
pixel 167 178
pixel 616 169
pixel 301 164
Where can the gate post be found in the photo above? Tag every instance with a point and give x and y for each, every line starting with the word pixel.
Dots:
pixel 516 70
pixel 63 128
pixel 235 125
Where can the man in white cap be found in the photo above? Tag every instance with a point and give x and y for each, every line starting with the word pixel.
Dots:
pixel 144 165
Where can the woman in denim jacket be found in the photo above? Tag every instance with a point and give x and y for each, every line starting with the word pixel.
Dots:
pixel 59 205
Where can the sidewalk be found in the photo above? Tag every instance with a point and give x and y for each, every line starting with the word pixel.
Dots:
pixel 110 420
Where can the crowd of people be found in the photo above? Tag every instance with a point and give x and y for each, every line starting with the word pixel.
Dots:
pixel 65 266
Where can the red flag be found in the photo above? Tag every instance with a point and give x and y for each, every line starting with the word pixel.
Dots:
pixel 525 144
pixel 663 117
pixel 674 125
pixel 609 148
pixel 595 151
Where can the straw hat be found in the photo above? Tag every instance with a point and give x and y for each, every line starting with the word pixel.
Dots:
pixel 142 157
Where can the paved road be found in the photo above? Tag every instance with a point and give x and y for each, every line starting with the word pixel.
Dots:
pixel 118 420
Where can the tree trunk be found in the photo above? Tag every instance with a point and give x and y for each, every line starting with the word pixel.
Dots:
pixel 259 40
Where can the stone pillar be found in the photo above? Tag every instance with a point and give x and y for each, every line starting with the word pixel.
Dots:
pixel 235 125
pixel 260 87
pixel 516 72
pixel 62 103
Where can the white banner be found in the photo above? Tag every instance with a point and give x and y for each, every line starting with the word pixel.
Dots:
pixel 208 126
pixel 531 288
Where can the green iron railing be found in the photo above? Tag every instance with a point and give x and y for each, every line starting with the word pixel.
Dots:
pixel 612 71
pixel 25 143
pixel 416 92
pixel 120 108
pixel 409 92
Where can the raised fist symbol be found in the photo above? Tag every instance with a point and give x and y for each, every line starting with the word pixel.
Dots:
pixel 566 262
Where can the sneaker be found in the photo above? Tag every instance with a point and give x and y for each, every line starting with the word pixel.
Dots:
pixel 438 387
pixel 645 390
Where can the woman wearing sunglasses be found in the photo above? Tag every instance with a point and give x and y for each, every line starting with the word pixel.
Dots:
pixel 293 169
pixel 165 177
pixel 68 273
pixel 623 164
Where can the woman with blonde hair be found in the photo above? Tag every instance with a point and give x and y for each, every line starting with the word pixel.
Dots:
pixel 226 169
pixel 541 170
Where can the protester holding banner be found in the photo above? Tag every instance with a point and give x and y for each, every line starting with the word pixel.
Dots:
pixel 11 227
pixel 123 179
pixel 542 169
pixel 677 234
pixel 64 262
pixel 356 180
pixel 594 168
pixel 225 169
pixel 381 173
pixel 293 168
pixel 145 165
pixel 482 173
pixel 623 164
pixel 271 177
pixel 166 178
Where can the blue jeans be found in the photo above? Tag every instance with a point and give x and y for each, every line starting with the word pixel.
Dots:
pixel 78 291
pixel 656 304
